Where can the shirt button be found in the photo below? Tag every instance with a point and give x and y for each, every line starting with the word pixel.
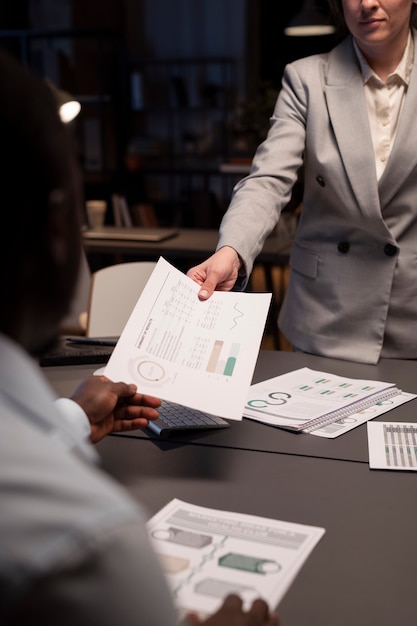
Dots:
pixel 343 247
pixel 390 250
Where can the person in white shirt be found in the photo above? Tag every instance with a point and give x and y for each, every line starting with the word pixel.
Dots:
pixel 73 544
pixel 346 120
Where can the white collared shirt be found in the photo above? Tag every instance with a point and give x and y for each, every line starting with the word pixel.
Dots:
pixel 61 515
pixel 384 101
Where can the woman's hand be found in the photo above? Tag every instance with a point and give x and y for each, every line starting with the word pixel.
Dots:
pixel 220 271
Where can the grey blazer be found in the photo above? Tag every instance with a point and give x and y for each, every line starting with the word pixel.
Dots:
pixel 352 292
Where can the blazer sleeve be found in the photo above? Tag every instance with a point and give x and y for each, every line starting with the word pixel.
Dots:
pixel 259 198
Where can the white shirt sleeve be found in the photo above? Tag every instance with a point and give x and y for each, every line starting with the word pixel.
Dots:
pixel 74 417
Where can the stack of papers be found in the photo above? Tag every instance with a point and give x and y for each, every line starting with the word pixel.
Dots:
pixel 320 403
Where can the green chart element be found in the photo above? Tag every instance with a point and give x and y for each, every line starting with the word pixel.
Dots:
pixel 249 563
pixel 223 360
pixel 231 360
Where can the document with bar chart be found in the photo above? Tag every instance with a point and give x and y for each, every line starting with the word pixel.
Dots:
pixel 392 445
pixel 197 353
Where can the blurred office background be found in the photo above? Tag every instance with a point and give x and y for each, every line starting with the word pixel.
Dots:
pixel 175 94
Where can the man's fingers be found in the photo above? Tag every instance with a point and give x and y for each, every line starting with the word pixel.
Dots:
pixel 259 609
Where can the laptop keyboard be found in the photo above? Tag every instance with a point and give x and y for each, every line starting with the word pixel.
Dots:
pixel 67 353
pixel 176 417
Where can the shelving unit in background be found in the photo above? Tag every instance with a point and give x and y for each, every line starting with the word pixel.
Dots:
pixel 156 131
pixel 178 136
pixel 86 63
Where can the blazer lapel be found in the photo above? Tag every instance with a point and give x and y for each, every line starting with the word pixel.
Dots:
pixel 403 157
pixel 349 118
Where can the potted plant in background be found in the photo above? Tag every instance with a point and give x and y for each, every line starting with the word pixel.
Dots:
pixel 250 122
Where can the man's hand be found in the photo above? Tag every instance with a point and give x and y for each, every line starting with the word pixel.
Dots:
pixel 232 614
pixel 114 407
pixel 220 271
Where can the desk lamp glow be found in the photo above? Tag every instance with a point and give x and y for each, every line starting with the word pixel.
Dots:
pixel 309 22
pixel 68 107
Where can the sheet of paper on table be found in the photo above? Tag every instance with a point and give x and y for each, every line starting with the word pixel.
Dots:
pixel 392 445
pixel 208 554
pixel 201 354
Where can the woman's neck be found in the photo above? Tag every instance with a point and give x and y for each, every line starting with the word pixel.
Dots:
pixel 384 58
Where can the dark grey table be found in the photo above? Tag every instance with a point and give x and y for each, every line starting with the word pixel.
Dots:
pixel 250 435
pixel 363 572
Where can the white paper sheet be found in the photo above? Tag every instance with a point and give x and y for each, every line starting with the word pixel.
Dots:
pixel 207 554
pixel 199 354
pixel 392 445
pixel 293 399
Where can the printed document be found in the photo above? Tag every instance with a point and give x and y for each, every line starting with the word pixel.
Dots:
pixel 305 400
pixel 343 425
pixel 392 445
pixel 208 554
pixel 197 353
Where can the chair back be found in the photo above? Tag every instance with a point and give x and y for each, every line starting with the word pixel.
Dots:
pixel 73 323
pixel 114 292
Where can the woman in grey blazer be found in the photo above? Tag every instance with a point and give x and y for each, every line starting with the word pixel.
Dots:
pixel 350 118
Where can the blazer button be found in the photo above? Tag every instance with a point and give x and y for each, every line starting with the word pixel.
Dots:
pixel 390 250
pixel 320 181
pixel 343 247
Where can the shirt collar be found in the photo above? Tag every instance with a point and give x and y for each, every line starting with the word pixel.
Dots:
pixel 403 70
